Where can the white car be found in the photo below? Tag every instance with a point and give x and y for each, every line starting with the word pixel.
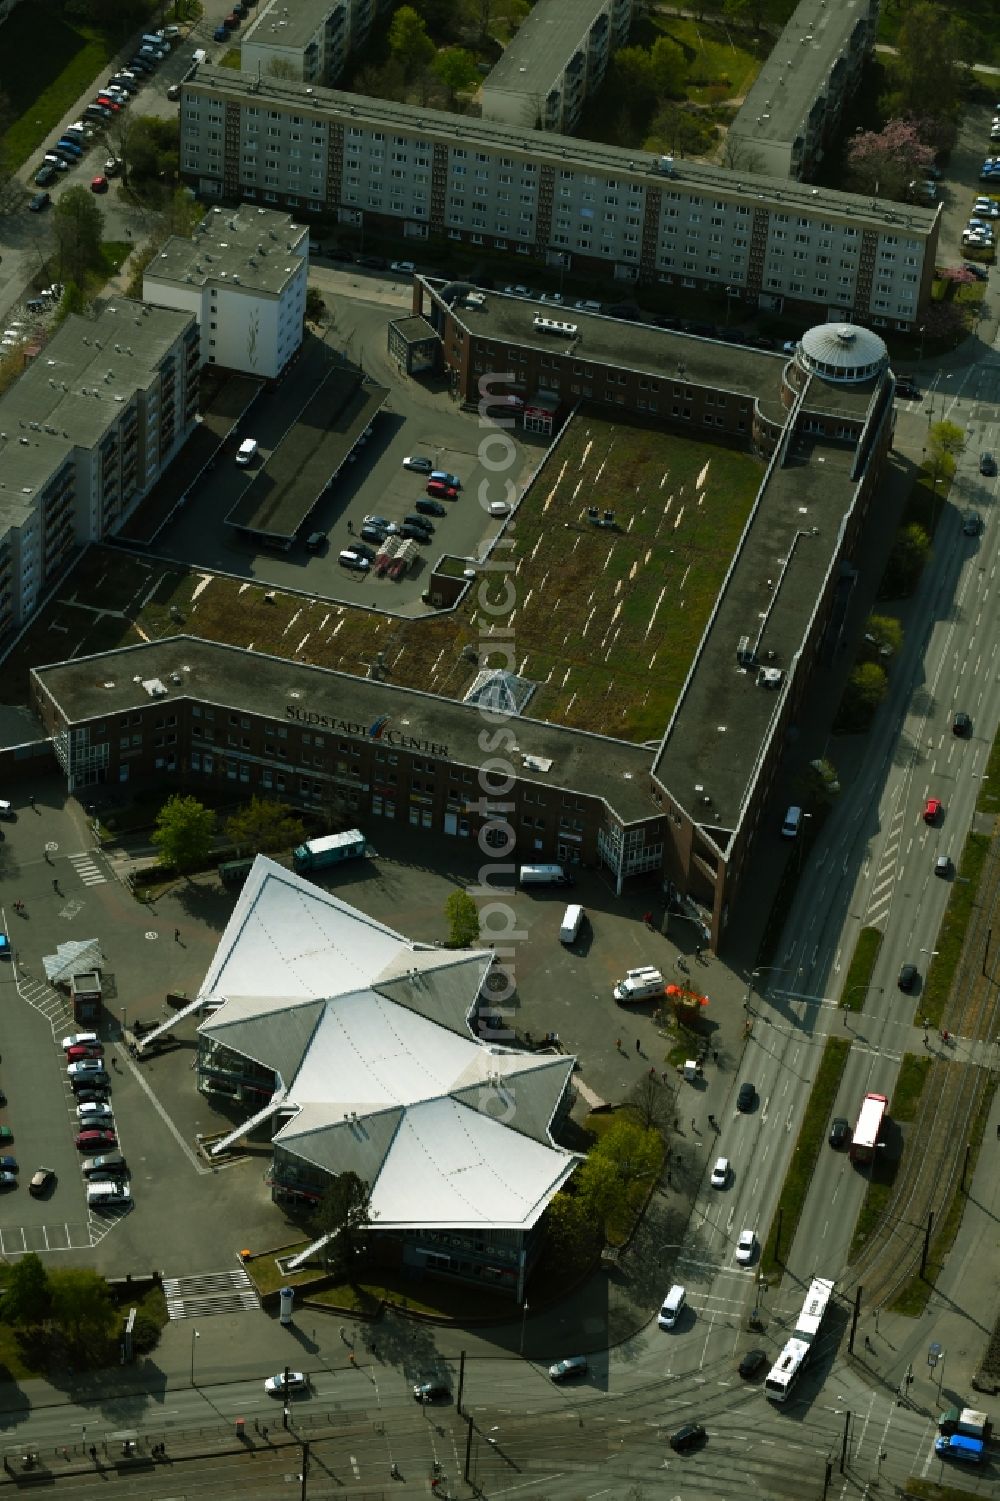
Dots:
pixel 745 1247
pixel 406 268
pixel 275 1385
pixel 720 1173
pixel 86 1066
pixel 79 1040
pixel 92 1111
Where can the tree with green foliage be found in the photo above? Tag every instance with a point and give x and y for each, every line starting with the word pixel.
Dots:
pixel 184 832
pixel 262 825
pixel 78 227
pixel 569 1228
pixel 818 784
pixel 885 634
pixel 627 1159
pixel 408 40
pixel 315 304
pixel 947 436
pixel 906 561
pixel 343 1213
pixel 864 691
pixel 631 76
pixel 82 1309
pixel 27 1297
pixel 668 67
pixel 933 48
pixel 456 69
pixel 463 920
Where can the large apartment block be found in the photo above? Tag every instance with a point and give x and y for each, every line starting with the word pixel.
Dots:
pixel 558 57
pixel 637 218
pixel 242 274
pixel 795 106
pixel 84 434
pixel 310 40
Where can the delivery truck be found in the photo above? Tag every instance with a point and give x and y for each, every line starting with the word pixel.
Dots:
pixel 640 985
pixel 332 849
pixel 965 1420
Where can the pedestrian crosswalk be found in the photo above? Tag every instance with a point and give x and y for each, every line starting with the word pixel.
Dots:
pixel 87 869
pixel 213 1292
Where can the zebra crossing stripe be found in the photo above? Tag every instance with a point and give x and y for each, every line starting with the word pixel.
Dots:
pixel 90 873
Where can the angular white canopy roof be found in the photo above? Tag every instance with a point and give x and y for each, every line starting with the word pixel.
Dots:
pixel 377 1067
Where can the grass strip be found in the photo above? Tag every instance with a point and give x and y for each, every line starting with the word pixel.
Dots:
pixel 951 935
pixel 812 1134
pixel 988 800
pixel 913 1298
pixel 860 970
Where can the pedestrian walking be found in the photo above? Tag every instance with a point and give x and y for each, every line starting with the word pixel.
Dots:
pixel 618 1045
pixel 350 527
pixel 263 1433
pixel 715 1055
pixel 694 1124
pixel 868 1344
pixel 177 935
pixel 31 802
pixel 998 1133
pixel 638 1044
pixel 55 885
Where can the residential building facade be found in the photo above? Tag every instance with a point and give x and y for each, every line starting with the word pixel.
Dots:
pixel 310 41
pixel 598 210
pixel 795 105
pixel 242 275
pixel 84 436
pixel 558 58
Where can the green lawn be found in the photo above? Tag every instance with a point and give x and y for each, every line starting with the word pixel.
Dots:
pixel 862 967
pixel 720 63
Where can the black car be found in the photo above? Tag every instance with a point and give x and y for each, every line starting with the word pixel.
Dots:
pixel 92 1096
pixel 45 175
pixel 430 508
pixel 110 1165
pixel 746 1098
pixel 961 724
pixel 907 977
pixel 97 1078
pixel 431 1391
pixel 414 533
pixel 421 521
pixel 317 542
pixel 987 464
pixel 373 534
pixel 751 1363
pixel 333 254
pixel 688 1437
pixel 840 1135
pixel 373 262
pixel 39 202
pixel 907 390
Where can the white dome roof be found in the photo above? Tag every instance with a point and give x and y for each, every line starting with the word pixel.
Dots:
pixel 843 351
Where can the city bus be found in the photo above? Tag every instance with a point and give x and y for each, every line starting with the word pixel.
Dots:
pixel 869 1127
pixel 785 1372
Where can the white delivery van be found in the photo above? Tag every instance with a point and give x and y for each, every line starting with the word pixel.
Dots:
pixel 640 984
pixel 569 928
pixel 543 875
pixel 792 823
pixel 247 451
pixel 672 1305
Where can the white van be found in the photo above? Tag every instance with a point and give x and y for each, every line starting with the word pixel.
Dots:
pixel 102 1193
pixel 672 1305
pixel 543 875
pixel 247 452
pixel 640 984
pixel 569 928
pixel 792 823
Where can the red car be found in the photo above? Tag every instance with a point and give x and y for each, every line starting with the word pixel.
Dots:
pixel 442 492
pixel 92 1140
pixel 106 102
pixel 932 810
pixel 99 185
pixel 73 1055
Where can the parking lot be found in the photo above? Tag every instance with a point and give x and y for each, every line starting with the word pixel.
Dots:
pixel 961 185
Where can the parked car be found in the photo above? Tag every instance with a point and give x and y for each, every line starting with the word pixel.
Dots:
pixel 98 184
pixel 388 527
pixel 442 477
pixel 351 558
pixel 79 1040
pixel 93 1111
pixel 405 268
pixel 414 533
pixel 430 507
pixel 85 1067
pixel 174 91
pixel 373 262
pixel 91 1096
pixel 317 542
pixel 93 1138
pixel 568 1369
pixel 417 464
pixel 8 1180
pixel 93 1050
pixel 52 160
pixel 40 201
pixel 42 1182
pixel 419 520
pixel 6 1134
pixel 9 1165
pixel 112 166
pixel 110 1165
pixel 83 1082
pixel 441 491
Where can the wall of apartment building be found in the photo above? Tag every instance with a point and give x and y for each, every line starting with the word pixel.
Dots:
pixel 342 27
pixel 240 328
pixel 629 229
pixel 555 103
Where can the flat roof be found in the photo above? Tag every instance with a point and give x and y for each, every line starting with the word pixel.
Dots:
pixel 543 44
pixel 665 353
pixel 721 725
pixel 257 248
pixel 561 151
pixel 231 677
pixel 283 491
pixel 796 71
pixel 74 390
pixel 279 24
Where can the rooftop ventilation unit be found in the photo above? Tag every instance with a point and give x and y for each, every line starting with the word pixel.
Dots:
pixel 555 326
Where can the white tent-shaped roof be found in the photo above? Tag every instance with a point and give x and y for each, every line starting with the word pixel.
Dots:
pixel 377 1067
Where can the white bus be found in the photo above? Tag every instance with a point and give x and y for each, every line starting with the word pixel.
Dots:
pixel 784 1373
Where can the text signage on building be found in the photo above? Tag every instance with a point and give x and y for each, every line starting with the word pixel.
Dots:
pixel 378 730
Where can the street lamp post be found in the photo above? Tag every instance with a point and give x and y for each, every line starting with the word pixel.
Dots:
pixel 194 1336
pixel 524 1319
pixel 755 974
pixel 879 990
